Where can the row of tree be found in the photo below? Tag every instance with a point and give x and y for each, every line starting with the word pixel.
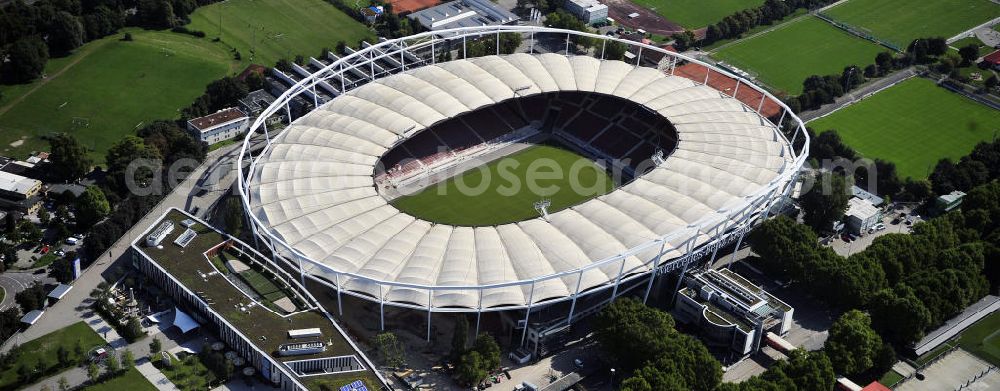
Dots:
pixel 735 25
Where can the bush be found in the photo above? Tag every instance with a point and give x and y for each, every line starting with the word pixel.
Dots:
pixel 185 30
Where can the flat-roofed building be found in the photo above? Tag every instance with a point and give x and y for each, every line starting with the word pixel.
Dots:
pixel 589 11
pixel 463 13
pixel 861 215
pixel 730 310
pixel 219 126
pixel 19 193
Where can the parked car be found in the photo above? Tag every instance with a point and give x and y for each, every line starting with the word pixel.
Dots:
pixel 71 241
pixel 45 250
pixel 879 227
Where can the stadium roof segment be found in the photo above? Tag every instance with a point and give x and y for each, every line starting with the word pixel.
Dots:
pixel 313 188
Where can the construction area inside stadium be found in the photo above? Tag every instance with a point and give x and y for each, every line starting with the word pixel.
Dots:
pixel 695 167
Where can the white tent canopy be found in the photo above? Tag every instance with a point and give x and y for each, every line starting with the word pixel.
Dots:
pixel 313 188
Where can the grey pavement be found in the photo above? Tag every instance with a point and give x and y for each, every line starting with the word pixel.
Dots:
pixel 958 368
pixel 989 36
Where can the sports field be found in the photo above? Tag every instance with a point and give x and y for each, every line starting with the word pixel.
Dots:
pixel 505 190
pixel 695 14
pixel 274 29
pixel 902 21
pixel 783 58
pixel 913 124
pixel 108 89
pixel 983 339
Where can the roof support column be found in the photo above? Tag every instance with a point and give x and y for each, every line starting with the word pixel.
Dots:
pixel 604 45
pixel 430 305
pixel 302 273
pixel 288 110
pixel 266 134
pixel 567 44
pixel 572 306
pixel 736 249
pixel 761 104
pixel 381 309
pixel 315 97
pixel 656 266
pixel 680 278
pixel 791 143
pixel 498 40
pixel 479 311
pixel 340 307
pixel 618 280
pixel 782 119
pixel 463 48
pixel 638 58
pixel 673 64
pixel 433 54
pixel 737 89
pixel 402 51
pixel 343 86
pixel 531 46
pixel 531 296
pixel 371 63
pixel 718 236
pixel 708 71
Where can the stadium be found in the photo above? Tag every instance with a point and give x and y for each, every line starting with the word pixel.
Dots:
pixel 694 166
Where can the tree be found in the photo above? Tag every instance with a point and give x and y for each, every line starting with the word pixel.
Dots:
pixel 683 41
pixel 131 150
pixel 63 383
pixel 92 206
pixel 132 330
pixel 69 158
pixel 460 336
pixel 43 216
pixel 155 345
pixel 65 32
pixel 650 378
pixel 969 54
pixel 488 351
pixel 826 202
pixel 114 366
pixel 62 355
pixel 991 82
pixel 852 345
pixel 470 368
pixel 128 360
pixel 390 349
pixel 233 215
pixel 27 58
pixel 32 298
pixel 157 14
pixel 615 50
pixel 93 373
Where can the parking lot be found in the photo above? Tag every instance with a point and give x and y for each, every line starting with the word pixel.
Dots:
pixel 845 248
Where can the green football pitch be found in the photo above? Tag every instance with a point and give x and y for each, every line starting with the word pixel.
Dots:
pixel 505 190
pixel 783 58
pixel 276 29
pixel 695 14
pixel 983 338
pixel 913 124
pixel 902 21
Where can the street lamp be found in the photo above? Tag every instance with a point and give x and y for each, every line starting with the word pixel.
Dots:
pixel 612 378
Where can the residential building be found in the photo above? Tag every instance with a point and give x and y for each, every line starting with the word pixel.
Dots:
pixel 993 60
pixel 589 11
pixel 19 193
pixel 463 13
pixel 861 215
pixel 219 126
pixel 730 310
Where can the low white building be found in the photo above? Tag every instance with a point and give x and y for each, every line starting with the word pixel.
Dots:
pixel 19 193
pixel 861 215
pixel 589 11
pixel 219 126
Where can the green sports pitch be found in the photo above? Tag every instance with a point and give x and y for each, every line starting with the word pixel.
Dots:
pixel 505 190
pixel 902 21
pixel 784 57
pixel 913 124
pixel 695 14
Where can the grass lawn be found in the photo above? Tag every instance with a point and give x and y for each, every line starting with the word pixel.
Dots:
pixel 279 28
pixel 798 12
pixel 114 85
pixel 131 381
pixel 189 374
pixel 890 378
pixel 902 21
pixel 45 260
pixel 44 349
pixel 983 338
pixel 262 285
pixel 695 14
pixel 783 58
pixel 913 124
pixel 506 186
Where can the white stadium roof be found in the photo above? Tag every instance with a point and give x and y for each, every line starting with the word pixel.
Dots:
pixel 313 188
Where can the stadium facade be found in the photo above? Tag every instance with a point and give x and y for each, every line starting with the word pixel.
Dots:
pixel 315 192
